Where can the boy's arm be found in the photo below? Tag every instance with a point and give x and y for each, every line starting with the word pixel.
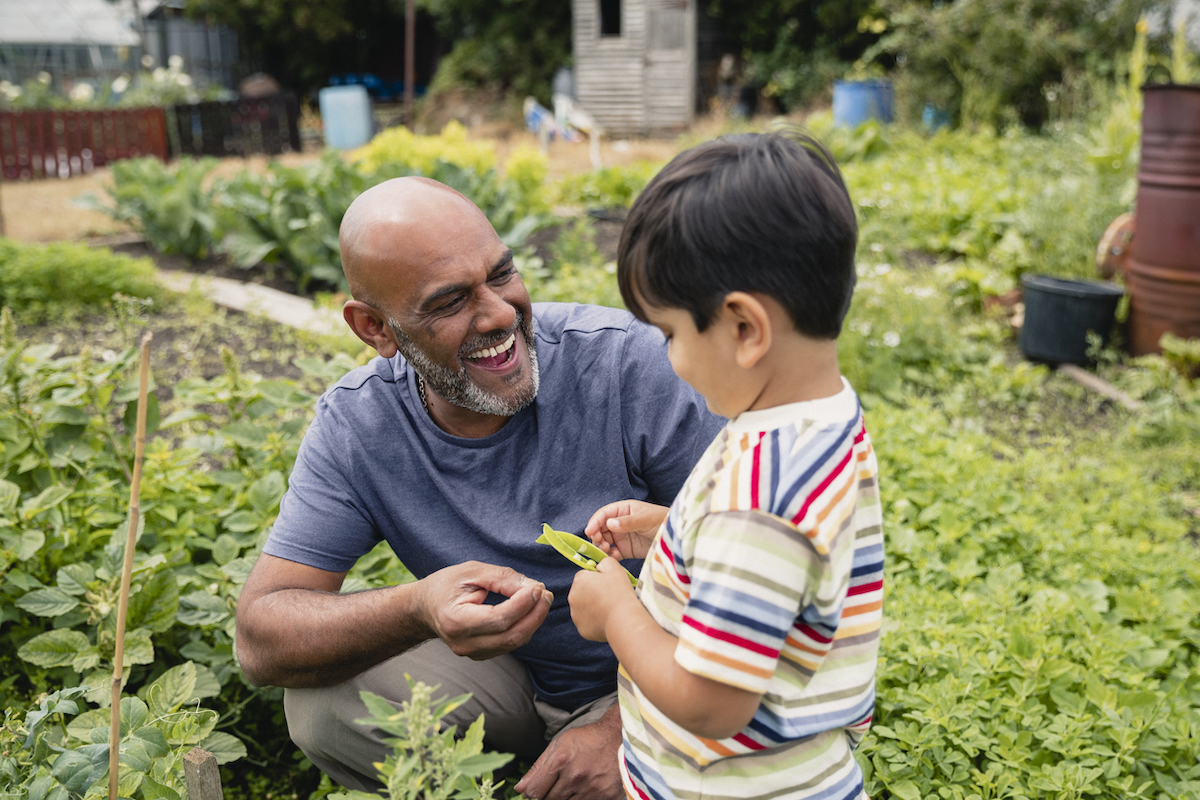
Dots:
pixel 605 608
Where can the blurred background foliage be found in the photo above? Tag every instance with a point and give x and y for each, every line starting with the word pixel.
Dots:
pixel 991 62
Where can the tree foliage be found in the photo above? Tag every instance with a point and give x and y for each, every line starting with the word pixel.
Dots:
pixel 1000 62
pixel 302 44
pixel 516 44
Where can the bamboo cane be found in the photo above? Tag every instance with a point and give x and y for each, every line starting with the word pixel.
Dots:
pixel 114 736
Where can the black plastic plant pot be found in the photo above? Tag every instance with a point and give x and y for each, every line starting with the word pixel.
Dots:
pixel 1059 314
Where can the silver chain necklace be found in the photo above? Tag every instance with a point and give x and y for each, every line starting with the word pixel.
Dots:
pixel 421 392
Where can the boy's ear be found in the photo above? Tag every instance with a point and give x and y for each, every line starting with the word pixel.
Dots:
pixel 370 326
pixel 752 327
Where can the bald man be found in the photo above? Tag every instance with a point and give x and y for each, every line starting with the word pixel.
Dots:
pixel 482 417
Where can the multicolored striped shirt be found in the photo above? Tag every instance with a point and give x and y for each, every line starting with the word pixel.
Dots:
pixel 769 572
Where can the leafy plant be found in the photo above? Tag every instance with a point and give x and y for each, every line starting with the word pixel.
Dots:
pixel 46 281
pixel 428 764
pixel 607 187
pixel 70 760
pixel 401 149
pixel 993 64
pixel 291 214
pixel 574 270
pixel 170 206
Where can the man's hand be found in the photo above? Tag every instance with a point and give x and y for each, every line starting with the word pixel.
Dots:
pixel 452 602
pixel 625 529
pixel 597 596
pixel 580 762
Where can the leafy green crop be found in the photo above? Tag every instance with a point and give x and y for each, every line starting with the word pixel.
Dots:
pixel 1044 635
pixel 428 763
pixel 607 187
pixel 170 206
pixel 45 281
pixel 291 214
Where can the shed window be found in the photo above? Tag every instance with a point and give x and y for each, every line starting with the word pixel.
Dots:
pixel 610 17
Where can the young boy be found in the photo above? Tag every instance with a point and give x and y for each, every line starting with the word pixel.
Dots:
pixel 747 655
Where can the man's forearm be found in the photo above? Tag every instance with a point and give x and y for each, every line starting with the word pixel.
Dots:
pixel 298 638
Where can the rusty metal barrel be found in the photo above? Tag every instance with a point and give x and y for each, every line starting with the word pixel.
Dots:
pixel 1162 274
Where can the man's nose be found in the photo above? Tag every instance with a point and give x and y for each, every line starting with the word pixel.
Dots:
pixel 494 314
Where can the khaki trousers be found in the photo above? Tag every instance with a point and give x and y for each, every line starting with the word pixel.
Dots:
pixel 322 721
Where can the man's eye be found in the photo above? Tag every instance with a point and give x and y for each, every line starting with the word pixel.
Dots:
pixel 453 304
pixel 501 277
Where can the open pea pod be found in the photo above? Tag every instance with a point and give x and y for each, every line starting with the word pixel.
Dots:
pixel 576 549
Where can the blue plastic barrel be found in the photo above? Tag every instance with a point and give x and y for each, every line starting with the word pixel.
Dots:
pixel 855 102
pixel 345 116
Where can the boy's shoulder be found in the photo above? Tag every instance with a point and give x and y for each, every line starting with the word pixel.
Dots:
pixel 776 459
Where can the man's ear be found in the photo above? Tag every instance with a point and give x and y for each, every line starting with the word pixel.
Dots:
pixel 751 325
pixel 370 326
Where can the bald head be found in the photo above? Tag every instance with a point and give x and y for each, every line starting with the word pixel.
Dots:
pixel 398 225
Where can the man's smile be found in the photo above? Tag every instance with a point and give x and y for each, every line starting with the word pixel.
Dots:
pixel 497 356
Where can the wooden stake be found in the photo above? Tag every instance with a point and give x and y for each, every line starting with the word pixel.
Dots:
pixel 114 736
pixel 202 776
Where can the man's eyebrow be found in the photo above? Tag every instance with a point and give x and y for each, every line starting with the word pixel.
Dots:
pixel 447 291
pixel 504 261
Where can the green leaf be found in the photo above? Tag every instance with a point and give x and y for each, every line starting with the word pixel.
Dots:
pixel 47 602
pixel 10 494
pixel 167 512
pixel 66 414
pixel 152 415
pixel 245 434
pixel 153 790
pixel 53 648
pixel 74 578
pixel 155 603
pixel 172 689
pixel 225 549
pixel 201 608
pixel 128 393
pixel 283 394
pixel 182 416
pixel 134 714
pixel 86 659
pixel 905 790
pixel 75 771
pixel 225 747
pixel 241 522
pixel 32 541
pixel 48 499
pixel 264 494
pixel 138 648
pixel 481 763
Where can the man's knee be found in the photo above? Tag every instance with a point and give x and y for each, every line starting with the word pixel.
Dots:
pixel 322 722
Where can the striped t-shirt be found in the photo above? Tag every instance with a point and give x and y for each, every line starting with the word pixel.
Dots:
pixel 769 571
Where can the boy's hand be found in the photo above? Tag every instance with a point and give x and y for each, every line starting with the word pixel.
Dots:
pixel 596 596
pixel 626 528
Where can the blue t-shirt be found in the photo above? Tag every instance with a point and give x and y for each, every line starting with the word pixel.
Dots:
pixel 611 421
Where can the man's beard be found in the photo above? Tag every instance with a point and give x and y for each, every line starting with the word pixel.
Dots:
pixel 454 385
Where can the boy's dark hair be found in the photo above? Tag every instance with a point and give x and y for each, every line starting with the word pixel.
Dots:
pixel 764 213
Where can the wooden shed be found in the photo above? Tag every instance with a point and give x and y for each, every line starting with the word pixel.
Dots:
pixel 635 63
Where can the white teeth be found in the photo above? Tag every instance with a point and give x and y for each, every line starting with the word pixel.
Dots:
pixel 495 351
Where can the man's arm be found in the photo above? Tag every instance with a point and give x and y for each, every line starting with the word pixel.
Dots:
pixel 295 630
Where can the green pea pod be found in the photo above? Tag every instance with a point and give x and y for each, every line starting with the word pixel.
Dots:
pixel 576 549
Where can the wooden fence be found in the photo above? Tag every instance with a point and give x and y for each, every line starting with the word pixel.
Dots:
pixel 269 125
pixel 59 144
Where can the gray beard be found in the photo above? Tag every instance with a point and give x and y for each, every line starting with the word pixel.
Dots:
pixel 454 385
